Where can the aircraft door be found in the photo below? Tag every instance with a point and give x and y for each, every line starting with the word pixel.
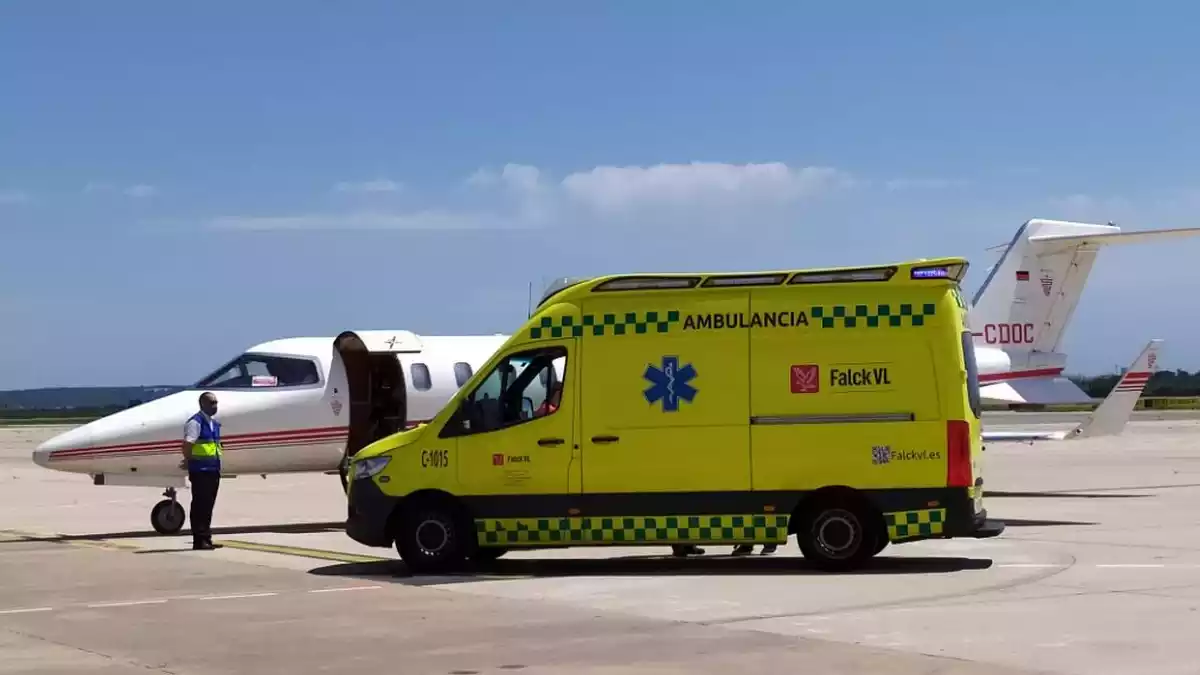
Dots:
pixel 515 433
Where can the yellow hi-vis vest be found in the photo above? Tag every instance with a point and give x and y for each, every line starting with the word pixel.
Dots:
pixel 206 451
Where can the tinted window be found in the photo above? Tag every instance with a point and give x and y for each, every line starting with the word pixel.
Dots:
pixel 259 370
pixel 972 374
pixel 514 393
pixel 420 377
pixel 462 373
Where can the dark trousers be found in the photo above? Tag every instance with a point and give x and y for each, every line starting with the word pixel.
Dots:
pixel 204 496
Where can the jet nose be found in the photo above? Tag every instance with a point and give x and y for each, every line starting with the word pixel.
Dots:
pixel 74 438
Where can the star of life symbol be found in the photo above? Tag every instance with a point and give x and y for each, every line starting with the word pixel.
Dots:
pixel 669 383
pixel 881 454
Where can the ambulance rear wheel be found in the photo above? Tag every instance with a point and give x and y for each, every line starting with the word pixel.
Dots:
pixel 431 538
pixel 167 517
pixel 837 535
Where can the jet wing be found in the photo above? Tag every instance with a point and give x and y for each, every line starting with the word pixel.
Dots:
pixel 1110 418
pixel 1049 390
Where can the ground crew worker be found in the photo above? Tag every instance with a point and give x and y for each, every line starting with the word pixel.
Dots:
pixel 202 458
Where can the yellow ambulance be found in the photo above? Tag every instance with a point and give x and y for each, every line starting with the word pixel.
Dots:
pixel 838 405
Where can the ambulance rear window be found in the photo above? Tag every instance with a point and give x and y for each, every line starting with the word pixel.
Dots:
pixel 968 350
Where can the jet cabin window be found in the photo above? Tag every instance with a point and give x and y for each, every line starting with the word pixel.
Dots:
pixel 462 373
pixel 420 377
pixel 522 387
pixel 254 371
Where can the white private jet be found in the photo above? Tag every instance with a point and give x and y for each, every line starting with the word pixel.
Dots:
pixel 1021 311
pixel 294 405
pixel 307 404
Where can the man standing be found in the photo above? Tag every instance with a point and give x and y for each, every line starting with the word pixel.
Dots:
pixel 202 458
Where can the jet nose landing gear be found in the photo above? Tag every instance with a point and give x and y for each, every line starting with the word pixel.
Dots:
pixel 168 516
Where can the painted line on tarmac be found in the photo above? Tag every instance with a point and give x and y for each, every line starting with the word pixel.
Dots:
pixel 12 536
pixel 117 604
pixel 302 552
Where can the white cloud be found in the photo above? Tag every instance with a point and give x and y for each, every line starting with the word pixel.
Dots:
pixel 515 177
pixel 377 185
pixel 519 196
pixel 685 185
pixel 13 197
pixel 140 191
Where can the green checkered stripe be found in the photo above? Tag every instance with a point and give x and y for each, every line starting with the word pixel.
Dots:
pixel 873 316
pixel 908 524
pixel 767 529
pixel 605 324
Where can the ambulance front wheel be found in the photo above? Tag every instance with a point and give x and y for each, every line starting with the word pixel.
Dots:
pixel 838 535
pixel 167 517
pixel 431 537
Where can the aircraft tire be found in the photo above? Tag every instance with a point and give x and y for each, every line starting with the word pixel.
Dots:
pixel 167 517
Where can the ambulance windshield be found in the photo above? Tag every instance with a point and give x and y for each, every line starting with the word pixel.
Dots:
pixel 253 371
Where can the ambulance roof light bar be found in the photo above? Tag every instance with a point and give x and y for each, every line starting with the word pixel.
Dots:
pixel 842 276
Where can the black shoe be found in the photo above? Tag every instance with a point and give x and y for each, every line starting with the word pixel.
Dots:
pixel 204 546
pixel 769 549
pixel 743 549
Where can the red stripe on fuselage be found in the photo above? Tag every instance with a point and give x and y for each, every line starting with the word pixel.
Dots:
pixel 173 449
pixel 233 440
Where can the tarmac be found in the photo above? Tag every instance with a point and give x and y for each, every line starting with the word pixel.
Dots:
pixel 1097 573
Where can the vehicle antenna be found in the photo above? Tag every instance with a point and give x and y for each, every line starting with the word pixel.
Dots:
pixel 529 302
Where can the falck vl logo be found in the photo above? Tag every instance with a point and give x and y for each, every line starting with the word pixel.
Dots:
pixel 1047 283
pixel 336 406
pixel 806 379
pixel 1151 360
pixel 669 383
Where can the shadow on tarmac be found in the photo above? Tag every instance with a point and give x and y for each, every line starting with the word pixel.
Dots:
pixel 1063 495
pixel 395 571
pixel 1033 522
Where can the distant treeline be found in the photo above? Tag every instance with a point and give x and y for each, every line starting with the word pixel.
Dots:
pixel 1162 383
pixel 76 401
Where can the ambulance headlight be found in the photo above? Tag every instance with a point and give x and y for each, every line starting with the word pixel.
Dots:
pixel 365 468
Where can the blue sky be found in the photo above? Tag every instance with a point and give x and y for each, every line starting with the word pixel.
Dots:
pixel 178 182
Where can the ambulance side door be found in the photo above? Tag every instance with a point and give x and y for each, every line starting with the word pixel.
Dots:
pixel 515 432
pixel 665 392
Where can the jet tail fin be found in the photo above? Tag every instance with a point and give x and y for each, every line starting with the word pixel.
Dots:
pixel 1113 413
pixel 1030 295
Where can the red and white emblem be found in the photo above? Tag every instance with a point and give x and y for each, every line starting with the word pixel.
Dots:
pixel 806 379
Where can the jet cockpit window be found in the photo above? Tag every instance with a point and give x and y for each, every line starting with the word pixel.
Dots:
pixel 254 371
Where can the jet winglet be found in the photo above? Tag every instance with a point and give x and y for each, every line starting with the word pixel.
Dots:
pixel 1111 416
